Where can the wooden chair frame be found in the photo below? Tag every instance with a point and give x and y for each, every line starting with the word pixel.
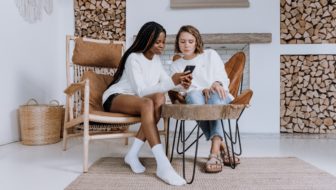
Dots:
pixel 75 117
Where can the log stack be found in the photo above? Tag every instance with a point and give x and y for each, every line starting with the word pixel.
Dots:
pixel 100 19
pixel 308 21
pixel 308 94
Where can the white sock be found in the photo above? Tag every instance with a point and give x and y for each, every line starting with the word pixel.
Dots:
pixel 132 158
pixel 164 169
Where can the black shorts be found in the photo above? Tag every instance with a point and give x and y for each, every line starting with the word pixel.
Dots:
pixel 107 104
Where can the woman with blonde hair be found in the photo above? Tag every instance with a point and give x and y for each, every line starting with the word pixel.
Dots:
pixel 209 86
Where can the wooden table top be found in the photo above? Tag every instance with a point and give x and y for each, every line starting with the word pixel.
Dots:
pixel 201 112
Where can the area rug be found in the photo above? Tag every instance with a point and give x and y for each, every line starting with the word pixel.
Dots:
pixel 252 174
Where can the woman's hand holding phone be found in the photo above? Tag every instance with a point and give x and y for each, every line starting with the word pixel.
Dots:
pixel 187 77
pixel 182 78
pixel 186 80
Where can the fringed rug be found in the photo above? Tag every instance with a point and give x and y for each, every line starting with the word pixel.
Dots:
pixel 252 174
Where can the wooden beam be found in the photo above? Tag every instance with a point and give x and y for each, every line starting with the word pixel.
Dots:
pixel 208 3
pixel 230 38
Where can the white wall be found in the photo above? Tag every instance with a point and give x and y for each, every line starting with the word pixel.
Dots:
pixel 32 60
pixel 262 16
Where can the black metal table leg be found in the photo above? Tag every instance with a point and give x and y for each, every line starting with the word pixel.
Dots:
pixel 184 150
pixel 167 137
pixel 183 145
pixel 172 150
pixel 228 136
pixel 186 139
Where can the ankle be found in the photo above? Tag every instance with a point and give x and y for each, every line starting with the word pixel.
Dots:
pixel 214 152
pixel 215 147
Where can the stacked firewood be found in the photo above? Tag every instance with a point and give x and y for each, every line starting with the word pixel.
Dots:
pixel 308 94
pixel 308 21
pixel 101 19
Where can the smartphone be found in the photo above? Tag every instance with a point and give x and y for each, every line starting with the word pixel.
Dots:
pixel 189 68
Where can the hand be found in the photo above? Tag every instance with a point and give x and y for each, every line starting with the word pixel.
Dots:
pixel 216 87
pixel 186 84
pixel 182 78
pixel 206 93
pixel 186 80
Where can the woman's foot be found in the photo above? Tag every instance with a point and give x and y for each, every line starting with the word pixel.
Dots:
pixel 135 164
pixel 132 158
pixel 227 159
pixel 170 176
pixel 214 164
pixel 164 169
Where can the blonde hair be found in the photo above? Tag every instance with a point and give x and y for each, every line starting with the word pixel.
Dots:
pixel 193 31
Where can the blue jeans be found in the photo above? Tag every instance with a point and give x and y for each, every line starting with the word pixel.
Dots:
pixel 209 128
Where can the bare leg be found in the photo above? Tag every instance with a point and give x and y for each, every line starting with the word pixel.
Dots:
pixel 158 100
pixel 144 107
pixel 215 145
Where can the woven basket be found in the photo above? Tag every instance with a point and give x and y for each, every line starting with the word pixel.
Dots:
pixel 40 124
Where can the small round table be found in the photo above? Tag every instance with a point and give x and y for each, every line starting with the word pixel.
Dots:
pixel 183 112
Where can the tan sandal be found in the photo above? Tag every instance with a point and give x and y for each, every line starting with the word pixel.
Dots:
pixel 227 159
pixel 214 164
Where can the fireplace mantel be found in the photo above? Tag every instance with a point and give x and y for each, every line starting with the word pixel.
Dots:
pixel 208 3
pixel 230 38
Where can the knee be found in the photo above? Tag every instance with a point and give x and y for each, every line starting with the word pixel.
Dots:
pixel 147 105
pixel 159 99
pixel 195 97
pixel 216 99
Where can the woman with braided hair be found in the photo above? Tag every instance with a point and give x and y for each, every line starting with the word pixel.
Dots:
pixel 138 89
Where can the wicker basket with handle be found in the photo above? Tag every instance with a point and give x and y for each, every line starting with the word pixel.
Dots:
pixel 40 123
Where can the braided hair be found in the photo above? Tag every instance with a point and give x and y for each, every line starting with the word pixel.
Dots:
pixel 144 40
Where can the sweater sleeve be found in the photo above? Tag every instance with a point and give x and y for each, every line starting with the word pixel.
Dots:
pixel 176 68
pixel 136 77
pixel 219 70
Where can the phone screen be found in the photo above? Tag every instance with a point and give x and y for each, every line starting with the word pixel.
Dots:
pixel 189 68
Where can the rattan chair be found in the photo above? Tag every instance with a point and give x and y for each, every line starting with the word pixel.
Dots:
pixel 234 68
pixel 88 73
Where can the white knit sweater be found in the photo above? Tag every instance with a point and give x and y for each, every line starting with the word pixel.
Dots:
pixel 209 68
pixel 141 77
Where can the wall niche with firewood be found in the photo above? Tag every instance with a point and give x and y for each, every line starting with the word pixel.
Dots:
pixel 308 94
pixel 100 19
pixel 307 21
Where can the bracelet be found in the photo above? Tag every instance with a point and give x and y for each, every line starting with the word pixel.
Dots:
pixel 219 82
